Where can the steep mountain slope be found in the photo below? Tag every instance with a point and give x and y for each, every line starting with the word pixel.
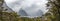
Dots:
pixel 31 11
pixel 22 12
pixel 7 8
pixel 39 13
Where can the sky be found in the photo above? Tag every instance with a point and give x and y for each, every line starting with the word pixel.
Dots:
pixel 15 5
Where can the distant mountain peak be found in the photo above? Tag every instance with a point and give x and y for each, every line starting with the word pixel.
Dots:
pixel 22 12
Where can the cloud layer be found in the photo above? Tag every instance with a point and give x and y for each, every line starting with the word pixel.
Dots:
pixel 27 5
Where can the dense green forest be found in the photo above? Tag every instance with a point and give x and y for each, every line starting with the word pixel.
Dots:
pixel 53 13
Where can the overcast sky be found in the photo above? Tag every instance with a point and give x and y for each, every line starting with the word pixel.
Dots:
pixel 27 5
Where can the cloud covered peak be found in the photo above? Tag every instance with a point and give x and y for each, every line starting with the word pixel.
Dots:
pixel 30 6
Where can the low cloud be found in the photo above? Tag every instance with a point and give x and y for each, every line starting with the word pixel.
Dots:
pixel 27 5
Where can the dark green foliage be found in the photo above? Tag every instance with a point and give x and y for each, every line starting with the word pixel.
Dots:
pixel 7 16
pixel 31 19
pixel 55 9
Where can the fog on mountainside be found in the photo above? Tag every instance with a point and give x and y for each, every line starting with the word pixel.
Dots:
pixel 22 12
pixel 7 8
pixel 29 7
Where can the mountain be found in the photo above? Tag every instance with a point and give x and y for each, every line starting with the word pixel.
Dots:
pixel 22 12
pixel 39 13
pixel 32 11
pixel 7 8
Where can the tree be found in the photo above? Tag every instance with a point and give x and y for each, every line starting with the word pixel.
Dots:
pixel 7 16
pixel 54 8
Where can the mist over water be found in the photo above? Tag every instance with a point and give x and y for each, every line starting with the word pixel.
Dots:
pixel 31 7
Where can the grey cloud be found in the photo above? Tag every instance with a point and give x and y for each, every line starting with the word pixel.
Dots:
pixel 31 10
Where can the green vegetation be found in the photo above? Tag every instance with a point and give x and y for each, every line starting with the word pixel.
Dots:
pixel 54 10
pixel 7 16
